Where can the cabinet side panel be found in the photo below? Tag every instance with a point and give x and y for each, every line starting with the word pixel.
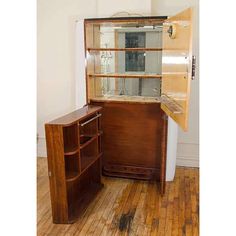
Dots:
pixel 93 63
pixel 56 170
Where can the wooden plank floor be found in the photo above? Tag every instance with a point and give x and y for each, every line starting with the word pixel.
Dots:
pixel 128 207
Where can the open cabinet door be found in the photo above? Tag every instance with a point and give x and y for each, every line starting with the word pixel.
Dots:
pixel 177 67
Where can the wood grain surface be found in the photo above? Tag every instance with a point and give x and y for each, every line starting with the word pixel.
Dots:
pixel 128 207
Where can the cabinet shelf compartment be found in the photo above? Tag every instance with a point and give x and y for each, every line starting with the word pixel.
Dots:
pixel 72 169
pixel 89 155
pixel 70 136
pixel 87 140
pixel 88 129
pixel 126 89
pixel 125 63
pixel 83 190
pixel 88 161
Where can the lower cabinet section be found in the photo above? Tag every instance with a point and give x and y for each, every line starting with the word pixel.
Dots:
pixel 132 140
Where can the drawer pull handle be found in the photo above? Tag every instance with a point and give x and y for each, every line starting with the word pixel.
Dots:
pixel 90 120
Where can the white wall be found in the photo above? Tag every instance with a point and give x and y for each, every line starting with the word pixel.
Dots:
pixel 56 59
pixel 106 8
pixel 188 142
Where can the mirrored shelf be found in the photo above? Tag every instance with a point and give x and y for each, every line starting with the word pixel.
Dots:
pixel 124 49
pixel 143 76
pixel 126 98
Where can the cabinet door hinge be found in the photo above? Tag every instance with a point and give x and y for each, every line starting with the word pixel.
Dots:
pixel 165 117
pixel 49 173
pixel 193 67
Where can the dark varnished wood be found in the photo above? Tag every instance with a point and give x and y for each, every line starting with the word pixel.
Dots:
pixel 132 140
pixel 73 162
pixel 76 116
pixel 55 157
pixel 163 153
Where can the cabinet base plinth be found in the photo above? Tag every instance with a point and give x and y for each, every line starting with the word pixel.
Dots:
pixel 131 172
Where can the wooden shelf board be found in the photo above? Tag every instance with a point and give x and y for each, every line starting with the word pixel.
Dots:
pixel 124 49
pixel 87 161
pixel 143 76
pixel 87 137
pixel 88 142
pixel 76 116
pixel 71 176
pixel 173 106
pixel 71 150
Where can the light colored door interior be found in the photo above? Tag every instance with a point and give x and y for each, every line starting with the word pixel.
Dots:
pixel 176 67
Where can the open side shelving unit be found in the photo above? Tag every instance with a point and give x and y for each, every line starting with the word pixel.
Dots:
pixel 74 152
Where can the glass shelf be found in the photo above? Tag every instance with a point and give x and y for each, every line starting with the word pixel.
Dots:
pixel 123 49
pixel 125 98
pixel 128 75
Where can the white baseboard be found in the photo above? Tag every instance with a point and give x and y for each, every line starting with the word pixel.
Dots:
pixel 187 155
pixel 41 147
pixel 187 161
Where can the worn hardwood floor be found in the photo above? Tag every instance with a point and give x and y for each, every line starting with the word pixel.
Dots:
pixel 128 207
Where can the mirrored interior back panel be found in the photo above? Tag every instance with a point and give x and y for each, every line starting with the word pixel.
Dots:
pixel 124 59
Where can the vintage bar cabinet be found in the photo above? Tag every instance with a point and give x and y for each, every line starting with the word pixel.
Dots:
pixel 138 71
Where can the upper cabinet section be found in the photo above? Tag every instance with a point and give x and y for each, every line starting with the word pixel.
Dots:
pixel 176 66
pixel 141 59
pixel 124 58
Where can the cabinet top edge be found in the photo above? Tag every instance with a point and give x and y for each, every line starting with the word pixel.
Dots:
pixel 105 19
pixel 75 116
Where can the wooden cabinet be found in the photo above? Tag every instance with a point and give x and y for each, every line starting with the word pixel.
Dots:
pixel 74 154
pixel 138 72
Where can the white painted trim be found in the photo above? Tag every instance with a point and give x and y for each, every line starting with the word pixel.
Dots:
pixel 171 149
pixel 80 83
pixel 187 161
pixel 188 154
